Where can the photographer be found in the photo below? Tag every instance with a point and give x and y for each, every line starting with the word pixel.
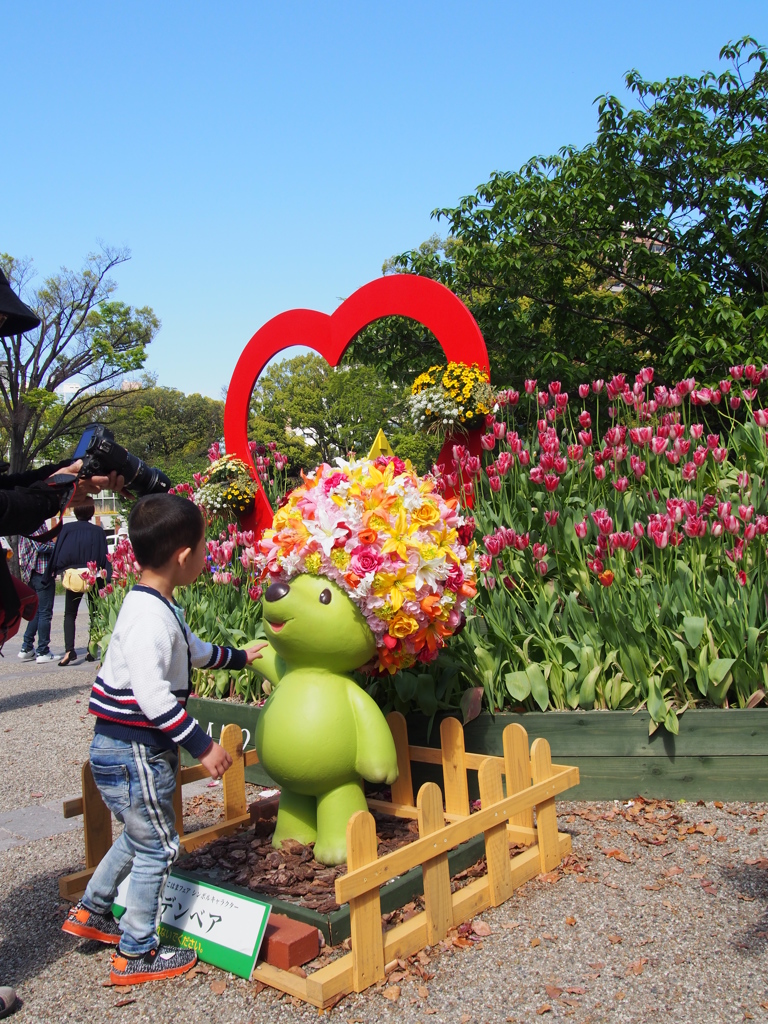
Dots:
pixel 26 501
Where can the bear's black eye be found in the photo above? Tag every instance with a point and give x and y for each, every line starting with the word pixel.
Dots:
pixel 325 597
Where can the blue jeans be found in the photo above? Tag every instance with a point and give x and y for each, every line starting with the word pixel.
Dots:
pixel 45 588
pixel 137 784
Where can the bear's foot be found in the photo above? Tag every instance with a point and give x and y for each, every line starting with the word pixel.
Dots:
pixel 296 819
pixel 334 809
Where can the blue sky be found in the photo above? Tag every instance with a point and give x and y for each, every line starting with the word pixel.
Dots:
pixel 256 157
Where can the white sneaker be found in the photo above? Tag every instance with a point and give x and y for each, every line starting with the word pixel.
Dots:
pixel 25 655
pixel 45 657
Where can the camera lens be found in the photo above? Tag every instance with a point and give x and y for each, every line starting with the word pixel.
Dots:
pixel 144 479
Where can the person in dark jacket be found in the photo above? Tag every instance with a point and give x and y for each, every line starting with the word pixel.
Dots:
pixel 79 543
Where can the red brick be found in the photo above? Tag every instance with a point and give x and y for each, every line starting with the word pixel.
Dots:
pixel 288 943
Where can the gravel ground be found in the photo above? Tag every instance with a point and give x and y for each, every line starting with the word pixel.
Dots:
pixel 662 910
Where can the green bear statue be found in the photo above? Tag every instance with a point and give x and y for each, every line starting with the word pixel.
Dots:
pixel 319 735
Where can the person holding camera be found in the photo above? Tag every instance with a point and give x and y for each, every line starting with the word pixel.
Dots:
pixel 79 544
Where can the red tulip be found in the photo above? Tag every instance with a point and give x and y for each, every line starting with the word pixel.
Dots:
pixel 530 387
pixel 554 387
pixel 585 436
pixel 734 401
pixel 551 517
pixel 606 577
pixel 585 420
pixel 737 372
pixel 495 483
pixel 581 529
pixel 761 417
pixel 524 457
pixel 600 472
pixel 499 428
pixel 504 462
pixel 539 551
pixel 551 481
pixel 487 441
pixel 741 576
pixel 583 390
pixel 513 397
pixel 621 484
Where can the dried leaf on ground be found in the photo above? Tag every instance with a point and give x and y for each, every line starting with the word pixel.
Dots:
pixel 218 986
pixel 535 942
pixel 613 939
pixel 392 993
pixel 570 920
pixel 124 1002
pixel 546 1008
pixel 618 855
pixel 553 991
pixel 481 928
pixel 637 967
pixel 423 991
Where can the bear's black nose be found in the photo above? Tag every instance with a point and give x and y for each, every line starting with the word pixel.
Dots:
pixel 275 591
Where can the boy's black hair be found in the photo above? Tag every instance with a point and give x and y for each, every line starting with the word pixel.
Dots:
pixel 84 513
pixel 161 524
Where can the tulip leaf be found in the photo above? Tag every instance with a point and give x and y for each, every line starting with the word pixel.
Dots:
pixel 720 678
pixel 693 627
pixel 657 708
pixel 671 723
pixel 539 689
pixel 518 685
pixel 587 688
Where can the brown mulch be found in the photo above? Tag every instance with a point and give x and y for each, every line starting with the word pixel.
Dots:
pixel 248 859
pixel 291 873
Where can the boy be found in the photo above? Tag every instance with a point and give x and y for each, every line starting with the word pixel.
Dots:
pixel 138 700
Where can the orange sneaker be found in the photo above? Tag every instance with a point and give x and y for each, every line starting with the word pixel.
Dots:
pixel 90 925
pixel 162 962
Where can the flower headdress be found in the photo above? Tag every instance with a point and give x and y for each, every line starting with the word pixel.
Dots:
pixel 402 552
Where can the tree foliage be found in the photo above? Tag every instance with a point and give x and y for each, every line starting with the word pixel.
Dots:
pixel 649 245
pixel 167 428
pixel 329 411
pixel 58 376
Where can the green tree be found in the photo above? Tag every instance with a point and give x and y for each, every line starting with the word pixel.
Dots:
pixel 58 376
pixel 330 410
pixel 650 245
pixel 167 428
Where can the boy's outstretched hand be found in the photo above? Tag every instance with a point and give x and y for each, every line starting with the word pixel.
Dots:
pixel 252 653
pixel 216 760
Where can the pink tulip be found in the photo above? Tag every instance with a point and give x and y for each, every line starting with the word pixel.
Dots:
pixel 585 436
pixel 583 390
pixel 487 441
pixel 599 472
pixel 761 417
pixel 750 531
pixel 637 466
pixel 539 551
pixel 659 536
pixel 554 388
pixel 597 386
pixel 737 372
pixel 495 483
pixel 561 464
pixel 734 402
pixel 543 399
pixel 551 415
pixel 575 452
pixel 541 568
pixel 638 529
pixel 641 436
pixel 513 397
pixel 547 461
pixel 741 576
pixel 725 386
pixel 659 445
pixel 732 525
pixel 561 401
pixel 521 541
pixel 621 484
pixel 716 529
pixel 581 529
pixel 504 462
pixel 499 428
pixel 749 393
pixel 551 517
pixel 750 371
pixel 585 420
pixel 537 475
pixel 551 481
pixel 473 465
pixel 695 526
pixel 719 454
pixel 524 457
pixel 673 457
pixel 716 397
pixel 696 431
pixel 689 471
pixel 746 512
pixel 761 522
pixel 743 480
pixel 530 387
pixel 700 456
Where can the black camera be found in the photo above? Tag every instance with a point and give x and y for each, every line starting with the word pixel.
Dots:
pixel 101 455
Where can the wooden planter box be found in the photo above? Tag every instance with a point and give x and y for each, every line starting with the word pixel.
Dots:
pixel 718 754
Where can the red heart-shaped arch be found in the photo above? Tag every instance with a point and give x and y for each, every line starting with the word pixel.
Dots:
pixel 418 298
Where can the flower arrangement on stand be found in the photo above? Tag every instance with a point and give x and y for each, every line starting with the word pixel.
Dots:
pixel 623 558
pixel 444 399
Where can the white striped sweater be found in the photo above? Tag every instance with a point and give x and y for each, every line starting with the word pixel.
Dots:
pixel 144 683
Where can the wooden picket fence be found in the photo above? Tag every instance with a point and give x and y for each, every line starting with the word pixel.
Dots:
pixel 445 822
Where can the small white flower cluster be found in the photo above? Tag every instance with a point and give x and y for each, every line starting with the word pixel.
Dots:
pixel 432 406
pixel 211 498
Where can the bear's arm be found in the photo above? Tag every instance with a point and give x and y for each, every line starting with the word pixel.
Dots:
pixel 376 758
pixel 270 665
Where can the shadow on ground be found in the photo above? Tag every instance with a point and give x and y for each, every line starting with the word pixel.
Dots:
pixel 31 698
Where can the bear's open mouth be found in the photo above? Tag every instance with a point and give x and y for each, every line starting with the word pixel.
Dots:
pixel 275 626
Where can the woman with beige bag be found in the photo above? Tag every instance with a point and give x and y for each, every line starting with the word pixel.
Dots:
pixel 79 543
